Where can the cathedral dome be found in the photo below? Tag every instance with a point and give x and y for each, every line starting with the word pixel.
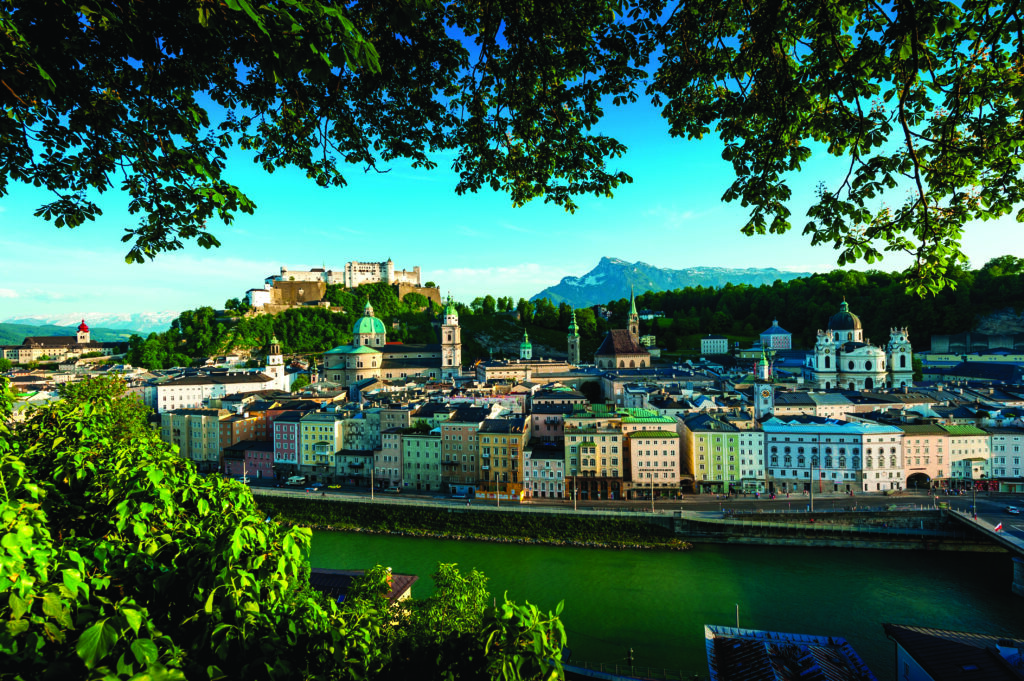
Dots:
pixel 368 323
pixel 83 327
pixel 844 320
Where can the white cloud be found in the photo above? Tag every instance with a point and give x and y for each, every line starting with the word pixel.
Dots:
pixel 8 293
pixel 518 281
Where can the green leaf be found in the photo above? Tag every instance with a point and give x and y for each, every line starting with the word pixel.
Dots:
pixel 145 651
pixel 95 642
pixel 134 618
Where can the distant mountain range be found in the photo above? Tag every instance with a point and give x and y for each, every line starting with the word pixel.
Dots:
pixel 142 323
pixel 612 277
pixel 14 334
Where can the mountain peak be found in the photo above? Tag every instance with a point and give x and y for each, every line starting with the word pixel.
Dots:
pixel 612 277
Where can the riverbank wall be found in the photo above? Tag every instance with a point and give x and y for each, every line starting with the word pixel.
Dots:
pixel 928 530
pixel 592 530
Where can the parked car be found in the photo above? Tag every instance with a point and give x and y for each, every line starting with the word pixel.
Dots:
pixel 296 480
pixel 316 485
pixel 1013 510
pixel 393 490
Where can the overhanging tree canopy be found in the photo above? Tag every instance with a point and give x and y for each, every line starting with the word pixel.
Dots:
pixel 921 98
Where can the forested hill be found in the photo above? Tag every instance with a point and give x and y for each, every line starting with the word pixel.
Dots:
pixel 204 331
pixel 14 334
pixel 493 327
pixel 803 306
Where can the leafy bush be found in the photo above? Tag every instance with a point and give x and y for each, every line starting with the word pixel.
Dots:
pixel 120 562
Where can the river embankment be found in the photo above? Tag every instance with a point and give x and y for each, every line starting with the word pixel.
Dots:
pixel 469 523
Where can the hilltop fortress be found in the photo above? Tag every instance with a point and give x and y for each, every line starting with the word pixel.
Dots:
pixel 292 288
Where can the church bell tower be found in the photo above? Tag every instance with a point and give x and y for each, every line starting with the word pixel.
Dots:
pixel 573 341
pixel 451 342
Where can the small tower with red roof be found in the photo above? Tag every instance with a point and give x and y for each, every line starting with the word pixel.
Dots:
pixel 83 333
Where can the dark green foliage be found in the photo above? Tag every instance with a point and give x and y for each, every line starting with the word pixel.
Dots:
pixel 200 333
pixel 119 562
pixel 457 521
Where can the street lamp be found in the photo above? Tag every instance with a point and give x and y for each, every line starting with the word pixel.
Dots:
pixel 373 467
pixel 575 491
pixel 652 491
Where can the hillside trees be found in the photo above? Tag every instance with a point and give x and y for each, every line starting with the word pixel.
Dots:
pixel 120 562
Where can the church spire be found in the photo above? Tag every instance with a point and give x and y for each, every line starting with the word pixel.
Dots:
pixel 634 318
pixel 574 330
pixel 632 301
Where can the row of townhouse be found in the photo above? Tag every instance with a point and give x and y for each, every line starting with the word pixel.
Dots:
pixel 567 447
pixel 790 454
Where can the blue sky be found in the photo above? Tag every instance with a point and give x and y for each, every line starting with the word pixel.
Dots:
pixel 671 216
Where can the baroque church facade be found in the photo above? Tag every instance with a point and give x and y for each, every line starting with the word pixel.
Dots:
pixel 843 359
pixel 370 356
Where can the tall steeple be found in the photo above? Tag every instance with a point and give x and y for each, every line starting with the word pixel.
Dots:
pixel 634 318
pixel 525 348
pixel 573 341
pixel 451 342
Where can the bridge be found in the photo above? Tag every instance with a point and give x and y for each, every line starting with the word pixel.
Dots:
pixel 1009 542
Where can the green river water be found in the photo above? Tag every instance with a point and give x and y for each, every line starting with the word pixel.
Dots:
pixel 658 601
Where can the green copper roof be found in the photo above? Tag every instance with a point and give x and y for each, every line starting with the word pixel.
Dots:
pixel 653 433
pixel 449 308
pixel 368 325
pixel 526 340
pixel 365 350
pixel 341 349
pixel 273 340
pixel 573 328
pixel 963 430
pixel 632 301
pixel 645 416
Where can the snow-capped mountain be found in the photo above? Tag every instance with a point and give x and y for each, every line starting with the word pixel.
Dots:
pixel 612 277
pixel 140 322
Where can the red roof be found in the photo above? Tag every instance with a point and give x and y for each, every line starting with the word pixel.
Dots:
pixel 83 327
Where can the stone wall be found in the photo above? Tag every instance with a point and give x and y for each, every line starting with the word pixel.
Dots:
pixel 432 293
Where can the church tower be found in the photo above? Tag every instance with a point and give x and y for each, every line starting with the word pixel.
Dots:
pixel 275 364
pixel 634 318
pixel 574 341
pixel 525 348
pixel 451 342
pixel 900 359
pixel 83 333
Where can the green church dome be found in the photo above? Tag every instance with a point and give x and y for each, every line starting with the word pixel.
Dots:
pixel 368 325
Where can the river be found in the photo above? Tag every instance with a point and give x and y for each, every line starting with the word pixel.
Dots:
pixel 658 601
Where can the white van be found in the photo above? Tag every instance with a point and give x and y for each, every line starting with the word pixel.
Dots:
pixel 296 480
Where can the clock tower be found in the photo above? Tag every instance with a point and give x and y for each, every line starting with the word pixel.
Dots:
pixel 451 342
pixel 764 399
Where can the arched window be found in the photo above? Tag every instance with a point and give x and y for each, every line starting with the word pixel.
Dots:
pixel 828 450
pixel 641 364
pixel 851 366
pixel 867 366
pixel 787 460
pixel 903 361
pixel 828 462
pixel 828 363
pixel 855 450
pixel 775 450
pixel 867 462
pixel 799 450
pixel 868 451
pixel 814 450
pixel 800 461
pixel 827 385
pixel 842 450
pixel 814 460
pixel 892 462
pixel 622 364
pixel 787 450
pixel 892 450
pixel 856 462
pixel 849 335
pixel 775 460
pixel 842 462
pixel 632 364
pixel 852 387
